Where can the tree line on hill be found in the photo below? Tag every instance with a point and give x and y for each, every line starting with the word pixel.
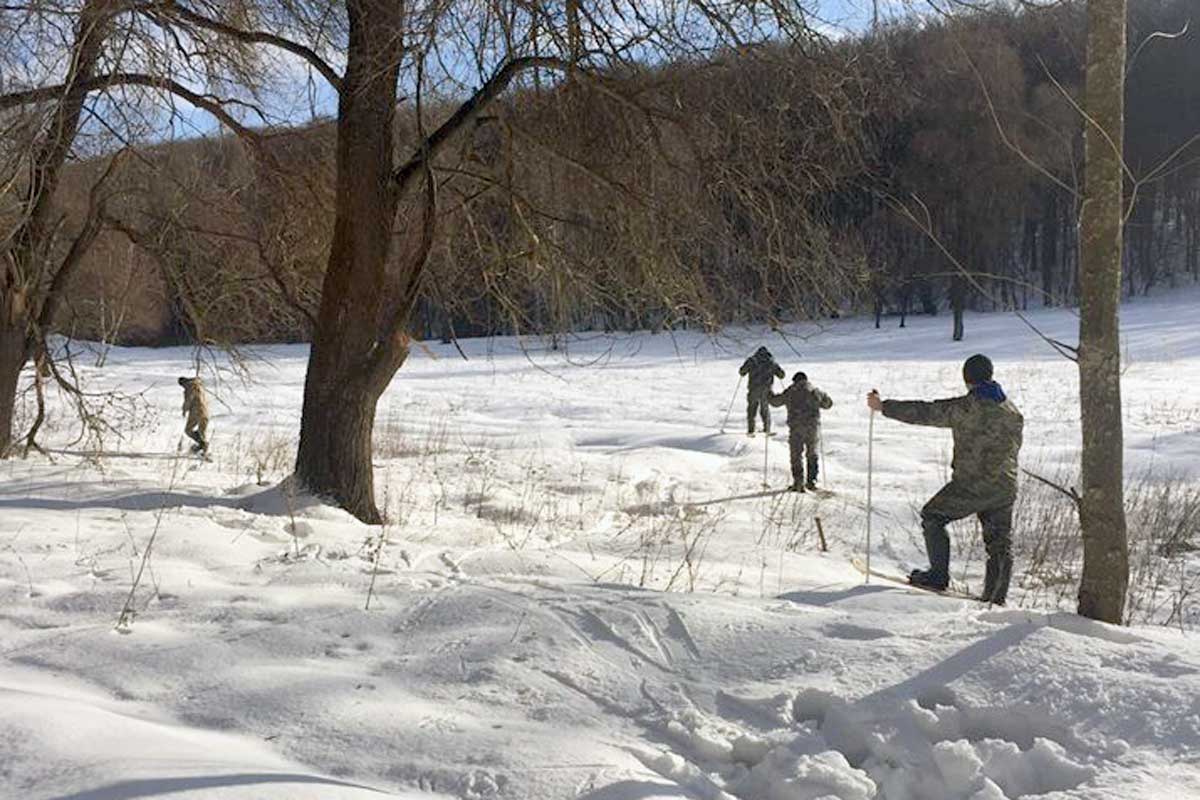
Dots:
pixel 931 164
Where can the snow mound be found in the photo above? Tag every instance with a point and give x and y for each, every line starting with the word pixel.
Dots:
pixel 290 499
pixel 104 749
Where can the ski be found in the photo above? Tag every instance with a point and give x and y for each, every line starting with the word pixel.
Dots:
pixel 766 492
pixel 749 496
pixel 861 566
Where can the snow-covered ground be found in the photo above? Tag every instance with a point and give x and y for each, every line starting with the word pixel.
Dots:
pixel 558 610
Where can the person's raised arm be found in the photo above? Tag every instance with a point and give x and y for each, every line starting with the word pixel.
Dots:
pixel 936 413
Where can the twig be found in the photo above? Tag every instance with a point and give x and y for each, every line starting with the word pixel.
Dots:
pixel 1068 491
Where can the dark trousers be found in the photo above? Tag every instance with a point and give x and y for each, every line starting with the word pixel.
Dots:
pixel 195 431
pixel 804 445
pixel 756 404
pixel 953 503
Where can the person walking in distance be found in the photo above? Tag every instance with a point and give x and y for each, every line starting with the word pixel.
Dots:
pixel 195 409
pixel 804 403
pixel 988 431
pixel 761 371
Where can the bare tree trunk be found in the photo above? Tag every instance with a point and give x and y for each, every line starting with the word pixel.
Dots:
pixel 25 266
pixel 957 301
pixel 41 371
pixel 342 385
pixel 1102 513
pixel 1050 262
pixel 12 359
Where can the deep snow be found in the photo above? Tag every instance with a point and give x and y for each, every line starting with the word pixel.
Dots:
pixel 559 610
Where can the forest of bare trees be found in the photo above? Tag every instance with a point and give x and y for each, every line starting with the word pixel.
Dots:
pixel 765 184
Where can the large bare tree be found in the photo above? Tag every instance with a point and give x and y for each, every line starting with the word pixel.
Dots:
pixel 36 149
pixel 386 207
pixel 76 72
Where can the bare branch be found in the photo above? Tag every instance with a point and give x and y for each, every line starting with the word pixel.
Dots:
pixel 926 227
pixel 1070 492
pixel 433 144
pixel 172 9
pixel 93 222
pixel 1004 135
pixel 1156 35
pixel 213 105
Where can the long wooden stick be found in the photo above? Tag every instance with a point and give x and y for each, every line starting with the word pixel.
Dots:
pixel 870 471
pixel 729 410
pixel 766 446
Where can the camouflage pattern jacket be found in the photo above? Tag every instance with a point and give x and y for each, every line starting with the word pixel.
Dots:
pixel 804 405
pixel 195 406
pixel 987 438
pixel 762 369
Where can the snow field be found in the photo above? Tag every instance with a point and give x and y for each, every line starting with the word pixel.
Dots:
pixel 559 608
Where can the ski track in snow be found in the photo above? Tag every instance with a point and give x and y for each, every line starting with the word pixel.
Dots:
pixel 521 642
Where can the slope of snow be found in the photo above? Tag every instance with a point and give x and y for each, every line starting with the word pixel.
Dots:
pixel 582 591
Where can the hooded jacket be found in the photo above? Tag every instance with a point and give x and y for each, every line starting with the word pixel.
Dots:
pixel 988 432
pixel 761 369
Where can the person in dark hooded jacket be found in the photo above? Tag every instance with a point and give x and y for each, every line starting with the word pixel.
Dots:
pixel 761 371
pixel 988 432
pixel 804 403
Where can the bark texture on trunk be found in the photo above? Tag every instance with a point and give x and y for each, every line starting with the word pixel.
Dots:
pixel 1105 576
pixel 12 359
pixel 344 381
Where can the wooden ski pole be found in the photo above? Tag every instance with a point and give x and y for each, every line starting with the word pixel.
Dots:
pixel 766 449
pixel 824 463
pixel 729 410
pixel 870 472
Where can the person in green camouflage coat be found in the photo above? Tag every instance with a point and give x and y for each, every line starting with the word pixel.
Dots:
pixel 805 403
pixel 762 371
pixel 988 431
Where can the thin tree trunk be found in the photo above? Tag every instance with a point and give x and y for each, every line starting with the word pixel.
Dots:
pixel 1105 576
pixel 12 359
pixel 41 371
pixel 1049 258
pixel 31 239
pixel 957 298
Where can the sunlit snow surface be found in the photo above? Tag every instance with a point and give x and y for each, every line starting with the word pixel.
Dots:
pixel 521 642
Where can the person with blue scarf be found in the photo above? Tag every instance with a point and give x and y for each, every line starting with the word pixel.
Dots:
pixel 988 431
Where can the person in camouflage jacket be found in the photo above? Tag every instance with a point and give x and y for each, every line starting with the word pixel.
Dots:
pixel 195 409
pixel 804 403
pixel 762 372
pixel 988 430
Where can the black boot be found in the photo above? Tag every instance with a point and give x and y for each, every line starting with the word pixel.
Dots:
pixel 995 580
pixel 927 579
pixel 937 545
